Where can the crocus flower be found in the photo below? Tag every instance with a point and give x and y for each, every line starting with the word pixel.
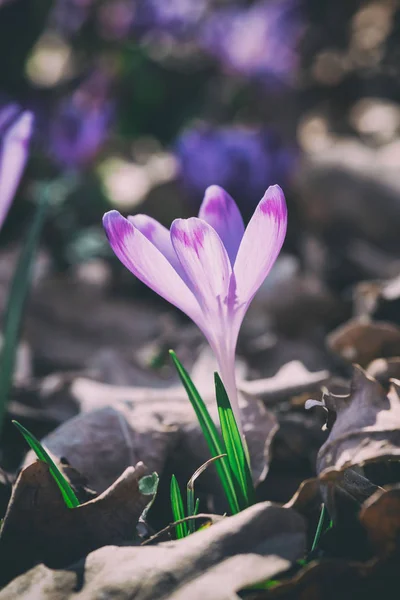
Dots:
pixel 15 132
pixel 210 267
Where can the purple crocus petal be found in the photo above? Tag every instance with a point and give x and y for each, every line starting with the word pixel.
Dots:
pixel 160 237
pixel 261 244
pixel 144 260
pixel 220 211
pixel 206 264
pixel 13 156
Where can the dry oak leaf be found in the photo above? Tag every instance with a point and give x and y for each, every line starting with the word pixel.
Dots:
pixel 366 430
pixel 39 527
pixel 100 444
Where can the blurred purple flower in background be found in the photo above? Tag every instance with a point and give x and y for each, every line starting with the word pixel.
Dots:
pixel 242 160
pixel 259 41
pixel 81 123
pixel 15 133
pixel 177 17
pixel 116 19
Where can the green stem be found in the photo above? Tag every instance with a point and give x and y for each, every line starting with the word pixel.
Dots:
pixel 323 517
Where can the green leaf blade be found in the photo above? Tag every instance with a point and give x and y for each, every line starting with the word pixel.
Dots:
pixel 324 523
pixel 235 448
pixel 177 509
pixel 210 433
pixel 67 492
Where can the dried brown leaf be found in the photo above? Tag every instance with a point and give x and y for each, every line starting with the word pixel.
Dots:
pixel 367 426
pixel 252 546
pixel 102 443
pixel 364 441
pixel 39 527
pixel 307 497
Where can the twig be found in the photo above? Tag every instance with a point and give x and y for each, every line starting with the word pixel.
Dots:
pixel 171 526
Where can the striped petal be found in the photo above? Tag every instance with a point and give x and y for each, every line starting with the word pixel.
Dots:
pixel 261 244
pixel 13 156
pixel 205 262
pixel 145 260
pixel 159 236
pixel 220 211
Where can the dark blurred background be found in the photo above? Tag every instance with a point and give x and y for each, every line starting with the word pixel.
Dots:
pixel 141 104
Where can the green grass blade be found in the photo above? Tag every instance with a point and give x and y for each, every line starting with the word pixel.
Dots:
pixel 324 523
pixel 210 433
pixel 15 306
pixel 177 509
pixel 235 450
pixel 196 507
pixel 264 585
pixel 67 492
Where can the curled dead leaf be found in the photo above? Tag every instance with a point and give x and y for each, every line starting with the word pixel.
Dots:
pixel 102 443
pixel 367 425
pixel 39 527
pixel 363 445
pixel 306 498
